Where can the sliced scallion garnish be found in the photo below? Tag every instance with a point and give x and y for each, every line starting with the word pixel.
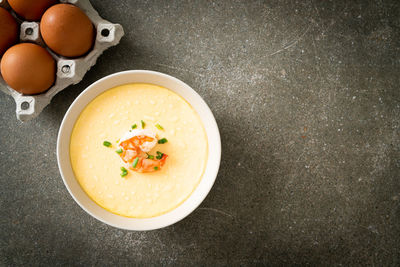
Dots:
pixel 159 155
pixel 124 172
pixel 159 126
pixel 135 162
pixel 106 143
pixel 162 141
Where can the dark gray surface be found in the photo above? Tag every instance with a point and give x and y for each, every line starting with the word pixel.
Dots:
pixel 307 98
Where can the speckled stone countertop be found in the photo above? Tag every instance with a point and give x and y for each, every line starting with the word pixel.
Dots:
pixel 307 98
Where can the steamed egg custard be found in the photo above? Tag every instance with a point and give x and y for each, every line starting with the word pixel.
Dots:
pixel 138 150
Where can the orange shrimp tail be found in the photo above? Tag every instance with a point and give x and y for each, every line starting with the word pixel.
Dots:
pixel 163 159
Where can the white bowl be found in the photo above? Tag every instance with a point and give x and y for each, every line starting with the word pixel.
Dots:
pixel 139 76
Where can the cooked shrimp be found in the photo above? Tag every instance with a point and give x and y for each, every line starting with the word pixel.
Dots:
pixel 145 140
pixel 135 145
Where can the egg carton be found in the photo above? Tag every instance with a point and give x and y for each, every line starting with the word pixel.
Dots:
pixel 69 71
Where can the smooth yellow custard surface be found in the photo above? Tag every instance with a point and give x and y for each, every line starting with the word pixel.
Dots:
pixel 107 118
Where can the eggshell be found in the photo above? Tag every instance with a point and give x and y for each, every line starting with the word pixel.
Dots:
pixel 67 30
pixel 31 9
pixel 28 68
pixel 8 30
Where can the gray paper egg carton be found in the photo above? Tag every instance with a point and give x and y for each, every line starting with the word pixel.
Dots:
pixel 69 71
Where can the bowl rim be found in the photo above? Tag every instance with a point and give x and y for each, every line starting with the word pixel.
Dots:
pixel 163 220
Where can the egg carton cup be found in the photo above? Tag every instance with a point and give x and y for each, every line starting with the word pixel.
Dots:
pixel 69 71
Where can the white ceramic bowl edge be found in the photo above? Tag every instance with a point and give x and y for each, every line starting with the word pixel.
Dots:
pixel 139 76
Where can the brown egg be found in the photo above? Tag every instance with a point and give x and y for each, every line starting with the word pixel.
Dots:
pixel 67 30
pixel 28 68
pixel 31 9
pixel 8 30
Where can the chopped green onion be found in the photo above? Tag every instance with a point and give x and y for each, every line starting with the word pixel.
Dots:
pixel 117 141
pixel 119 151
pixel 123 169
pixel 106 143
pixel 156 168
pixel 159 155
pixel 159 126
pixel 162 141
pixel 134 126
pixel 124 172
pixel 143 124
pixel 135 162
pixel 150 156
